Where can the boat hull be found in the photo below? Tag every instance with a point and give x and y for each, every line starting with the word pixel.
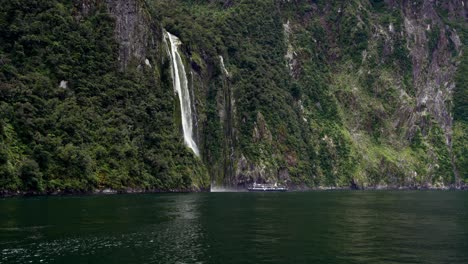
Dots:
pixel 267 190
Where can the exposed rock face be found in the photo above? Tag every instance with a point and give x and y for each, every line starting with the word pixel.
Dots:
pixel 248 172
pixel 133 30
pixel 291 61
pixel 433 70
pixel 455 8
pixel 433 48
pixel 84 6
pixel 261 131
pixel 432 45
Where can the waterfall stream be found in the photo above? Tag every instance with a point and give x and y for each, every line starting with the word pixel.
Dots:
pixel 226 73
pixel 179 78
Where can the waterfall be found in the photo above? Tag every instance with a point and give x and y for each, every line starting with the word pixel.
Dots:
pixel 221 59
pixel 179 79
pixel 227 118
pixel 290 52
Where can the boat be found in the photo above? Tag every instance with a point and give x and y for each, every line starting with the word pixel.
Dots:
pixel 256 187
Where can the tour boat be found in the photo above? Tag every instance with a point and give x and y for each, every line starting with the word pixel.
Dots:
pixel 256 187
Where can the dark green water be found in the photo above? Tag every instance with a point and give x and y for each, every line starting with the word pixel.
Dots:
pixel 311 227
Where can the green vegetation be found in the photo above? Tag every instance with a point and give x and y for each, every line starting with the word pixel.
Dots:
pixel 460 114
pixel 460 95
pixel 347 91
pixel 70 120
pixel 105 129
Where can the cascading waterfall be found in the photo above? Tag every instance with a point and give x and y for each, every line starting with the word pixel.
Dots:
pixel 179 79
pixel 228 151
pixel 221 59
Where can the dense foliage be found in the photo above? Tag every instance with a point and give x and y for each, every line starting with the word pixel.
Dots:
pixel 333 112
pixel 332 119
pixel 460 108
pixel 69 120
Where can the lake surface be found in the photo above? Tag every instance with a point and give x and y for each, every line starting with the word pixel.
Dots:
pixel 293 227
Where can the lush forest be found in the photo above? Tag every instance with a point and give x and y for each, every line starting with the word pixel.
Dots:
pixel 100 128
pixel 319 93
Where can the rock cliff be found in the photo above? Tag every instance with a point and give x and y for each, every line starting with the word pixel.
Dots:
pixel 360 94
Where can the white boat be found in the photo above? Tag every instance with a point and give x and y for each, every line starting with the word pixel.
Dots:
pixel 256 187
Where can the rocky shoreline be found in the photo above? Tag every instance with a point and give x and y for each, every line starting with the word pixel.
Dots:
pixel 108 191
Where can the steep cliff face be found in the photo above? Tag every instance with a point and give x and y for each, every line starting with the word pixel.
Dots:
pixel 410 56
pixel 367 100
pixel 434 48
pixel 136 33
pixel 87 101
pixel 307 93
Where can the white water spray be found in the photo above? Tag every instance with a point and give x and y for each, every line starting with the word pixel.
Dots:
pixel 221 59
pixel 225 189
pixel 179 79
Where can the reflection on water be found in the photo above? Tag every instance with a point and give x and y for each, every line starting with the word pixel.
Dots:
pixel 173 235
pixel 313 227
pixel 407 225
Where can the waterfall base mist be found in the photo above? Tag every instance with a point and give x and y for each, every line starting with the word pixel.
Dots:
pixel 215 189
